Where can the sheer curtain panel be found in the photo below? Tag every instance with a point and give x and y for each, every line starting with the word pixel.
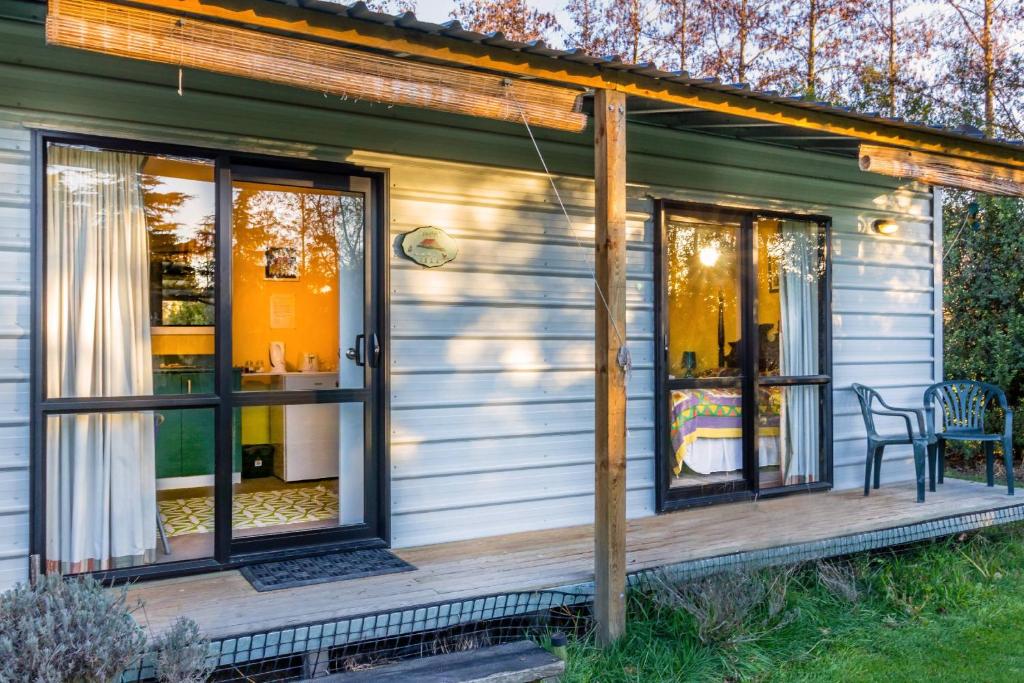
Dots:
pixel 798 290
pixel 101 486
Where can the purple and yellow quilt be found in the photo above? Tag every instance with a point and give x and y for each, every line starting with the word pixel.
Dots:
pixel 712 414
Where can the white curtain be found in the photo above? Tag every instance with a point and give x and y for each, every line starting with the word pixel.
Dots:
pixel 798 353
pixel 101 479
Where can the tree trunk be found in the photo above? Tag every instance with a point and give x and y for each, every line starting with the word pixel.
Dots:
pixel 684 8
pixel 812 25
pixel 892 59
pixel 634 25
pixel 989 75
pixel 741 38
pixel 586 35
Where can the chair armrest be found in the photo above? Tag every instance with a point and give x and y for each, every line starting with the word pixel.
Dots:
pixel 922 424
pixel 1008 422
pixel 929 417
pixel 1001 397
pixel 906 418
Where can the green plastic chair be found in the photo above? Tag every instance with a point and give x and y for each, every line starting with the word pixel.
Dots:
pixel 921 441
pixel 963 407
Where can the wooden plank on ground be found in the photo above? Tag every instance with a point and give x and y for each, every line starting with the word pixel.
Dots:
pixel 519 662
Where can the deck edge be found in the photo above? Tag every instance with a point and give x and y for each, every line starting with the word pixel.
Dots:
pixel 296 640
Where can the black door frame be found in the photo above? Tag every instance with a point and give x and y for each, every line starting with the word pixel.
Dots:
pixel 228 553
pixel 747 488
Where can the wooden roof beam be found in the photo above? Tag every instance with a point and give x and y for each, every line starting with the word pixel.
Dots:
pixel 939 169
pixel 712 126
pixel 168 38
pixel 664 110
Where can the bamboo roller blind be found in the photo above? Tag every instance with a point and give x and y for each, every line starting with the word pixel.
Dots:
pixel 938 169
pixel 191 43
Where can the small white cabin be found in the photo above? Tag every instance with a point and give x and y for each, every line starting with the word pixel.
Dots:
pixel 247 320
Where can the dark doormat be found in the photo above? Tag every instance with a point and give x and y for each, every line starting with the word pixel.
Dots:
pixel 340 566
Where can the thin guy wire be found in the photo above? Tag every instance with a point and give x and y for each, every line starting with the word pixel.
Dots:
pixel 181 56
pixel 956 237
pixel 625 363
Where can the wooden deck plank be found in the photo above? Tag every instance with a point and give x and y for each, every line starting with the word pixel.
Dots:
pixel 225 604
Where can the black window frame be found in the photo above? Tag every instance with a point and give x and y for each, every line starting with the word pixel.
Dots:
pixel 228 552
pixel 748 487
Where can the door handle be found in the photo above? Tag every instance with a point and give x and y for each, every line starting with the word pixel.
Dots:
pixel 355 353
pixel 374 350
pixel 188 382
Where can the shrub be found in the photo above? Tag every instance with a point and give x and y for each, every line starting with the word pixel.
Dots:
pixel 732 606
pixel 840 580
pixel 182 654
pixel 63 631
pixel 982 304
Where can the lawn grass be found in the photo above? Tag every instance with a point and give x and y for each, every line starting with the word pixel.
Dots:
pixel 948 610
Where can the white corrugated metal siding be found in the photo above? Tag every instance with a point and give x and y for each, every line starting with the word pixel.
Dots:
pixel 15 265
pixel 492 355
pixel 492 358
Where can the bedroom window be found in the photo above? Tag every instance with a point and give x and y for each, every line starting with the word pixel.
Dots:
pixel 744 373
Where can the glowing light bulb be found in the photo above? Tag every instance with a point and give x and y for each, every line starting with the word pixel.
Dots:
pixel 885 226
pixel 709 255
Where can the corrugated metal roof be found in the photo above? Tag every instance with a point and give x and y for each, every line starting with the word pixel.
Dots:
pixel 656 112
pixel 672 117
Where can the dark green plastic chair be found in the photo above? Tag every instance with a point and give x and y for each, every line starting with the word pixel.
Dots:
pixel 962 407
pixel 921 441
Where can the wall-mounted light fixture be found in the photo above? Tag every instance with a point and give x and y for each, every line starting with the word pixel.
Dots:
pixel 885 226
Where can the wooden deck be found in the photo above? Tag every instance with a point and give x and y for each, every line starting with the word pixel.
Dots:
pixel 224 604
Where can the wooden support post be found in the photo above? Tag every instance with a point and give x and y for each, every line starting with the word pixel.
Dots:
pixel 610 403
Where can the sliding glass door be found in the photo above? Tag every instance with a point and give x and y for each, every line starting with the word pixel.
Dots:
pixel 794 382
pixel 704 306
pixel 744 370
pixel 299 316
pixel 126 295
pixel 207 365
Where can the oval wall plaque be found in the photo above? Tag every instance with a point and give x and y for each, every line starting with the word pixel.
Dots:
pixel 430 246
